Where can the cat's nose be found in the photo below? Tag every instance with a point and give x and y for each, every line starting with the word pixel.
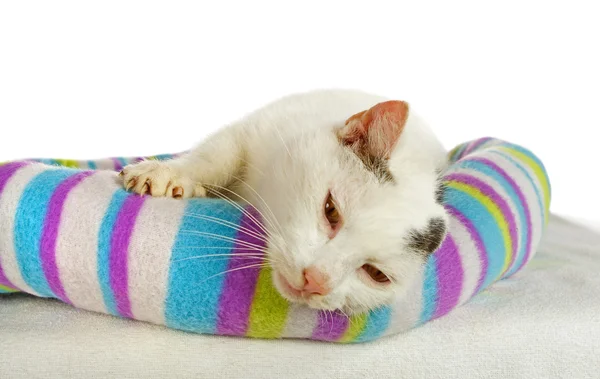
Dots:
pixel 316 282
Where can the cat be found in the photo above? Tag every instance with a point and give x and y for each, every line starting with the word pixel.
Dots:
pixel 347 183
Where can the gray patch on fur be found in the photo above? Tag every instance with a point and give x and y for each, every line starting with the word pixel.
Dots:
pixel 440 192
pixel 378 166
pixel 428 239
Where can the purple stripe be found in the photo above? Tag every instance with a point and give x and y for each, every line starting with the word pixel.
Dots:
pixel 487 190
pixel 119 247
pixel 474 145
pixel 50 233
pixel 331 326
pixel 483 258
pixel 117 164
pixel 521 197
pixel 459 153
pixel 239 285
pixel 6 172
pixel 449 277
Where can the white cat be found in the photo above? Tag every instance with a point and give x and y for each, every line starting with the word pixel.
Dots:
pixel 348 185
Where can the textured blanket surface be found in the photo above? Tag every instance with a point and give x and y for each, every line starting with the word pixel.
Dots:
pixel 69 231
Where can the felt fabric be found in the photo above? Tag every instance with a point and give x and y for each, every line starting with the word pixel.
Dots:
pixel 74 234
pixel 541 323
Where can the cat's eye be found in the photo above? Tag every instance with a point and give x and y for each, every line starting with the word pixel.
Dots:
pixel 375 274
pixel 331 212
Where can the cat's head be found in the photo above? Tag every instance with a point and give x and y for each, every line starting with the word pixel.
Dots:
pixel 354 210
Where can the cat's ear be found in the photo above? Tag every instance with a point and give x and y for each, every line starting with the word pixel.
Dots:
pixel 376 131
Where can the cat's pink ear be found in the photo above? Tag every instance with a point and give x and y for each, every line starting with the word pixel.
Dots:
pixel 376 131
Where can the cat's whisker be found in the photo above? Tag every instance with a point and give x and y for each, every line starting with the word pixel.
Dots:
pixel 283 142
pixel 239 207
pixel 280 229
pixel 236 205
pixel 222 238
pixel 261 265
pixel 228 224
pixel 223 257
pixel 252 251
pixel 332 322
pixel 351 320
pixel 221 248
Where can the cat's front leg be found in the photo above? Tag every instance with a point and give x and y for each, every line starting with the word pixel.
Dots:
pixel 212 163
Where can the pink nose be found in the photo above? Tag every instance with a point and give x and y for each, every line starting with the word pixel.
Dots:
pixel 316 282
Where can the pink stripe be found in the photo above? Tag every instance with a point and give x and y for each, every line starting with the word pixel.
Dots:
pixel 6 172
pixel 50 233
pixel 117 164
pixel 488 191
pixel 119 247
pixel 331 326
pixel 474 145
pixel 449 277
pixel 483 258
pixel 239 286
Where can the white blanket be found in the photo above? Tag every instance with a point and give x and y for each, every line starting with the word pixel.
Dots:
pixel 542 323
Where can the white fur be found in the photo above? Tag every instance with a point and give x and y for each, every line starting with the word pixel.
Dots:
pixel 288 157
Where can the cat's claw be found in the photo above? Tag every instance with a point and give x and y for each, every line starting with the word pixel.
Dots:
pixel 158 179
pixel 146 188
pixel 177 192
pixel 130 184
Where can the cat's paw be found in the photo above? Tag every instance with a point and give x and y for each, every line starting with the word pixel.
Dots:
pixel 160 180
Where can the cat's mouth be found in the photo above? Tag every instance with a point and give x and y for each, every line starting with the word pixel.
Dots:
pixel 287 290
pixel 296 295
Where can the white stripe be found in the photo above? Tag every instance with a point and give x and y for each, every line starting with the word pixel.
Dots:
pixel 469 259
pixel 406 309
pixel 149 257
pixel 9 203
pixel 105 164
pixel 301 322
pixel 77 242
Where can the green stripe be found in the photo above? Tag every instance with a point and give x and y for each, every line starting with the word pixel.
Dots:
pixel 68 163
pixel 356 325
pixel 269 310
pixel 5 289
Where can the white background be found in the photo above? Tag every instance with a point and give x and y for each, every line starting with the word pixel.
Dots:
pixel 94 79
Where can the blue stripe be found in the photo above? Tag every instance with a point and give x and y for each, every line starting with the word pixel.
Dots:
pixel 123 161
pixel 377 322
pixel 92 165
pixel 195 284
pixel 29 224
pixel 430 289
pixel 162 157
pixel 488 171
pixel 486 227
pixel 532 183
pixel 104 238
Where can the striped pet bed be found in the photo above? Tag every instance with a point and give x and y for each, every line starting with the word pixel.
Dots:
pixel 69 231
